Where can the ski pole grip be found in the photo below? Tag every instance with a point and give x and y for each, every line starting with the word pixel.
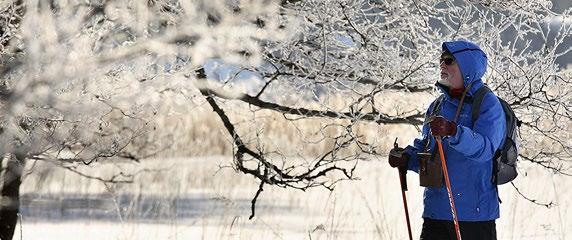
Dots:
pixel 402 170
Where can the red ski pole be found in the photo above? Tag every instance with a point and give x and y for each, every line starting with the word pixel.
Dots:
pixel 448 184
pixel 403 182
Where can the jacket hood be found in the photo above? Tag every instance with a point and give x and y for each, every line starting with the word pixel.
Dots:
pixel 471 59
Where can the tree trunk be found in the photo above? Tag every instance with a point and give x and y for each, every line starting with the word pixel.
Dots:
pixel 10 180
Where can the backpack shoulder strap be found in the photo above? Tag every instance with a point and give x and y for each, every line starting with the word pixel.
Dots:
pixel 437 105
pixel 435 108
pixel 477 101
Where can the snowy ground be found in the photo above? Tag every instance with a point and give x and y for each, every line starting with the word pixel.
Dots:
pixel 190 199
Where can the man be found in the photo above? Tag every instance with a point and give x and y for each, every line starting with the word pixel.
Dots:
pixel 469 148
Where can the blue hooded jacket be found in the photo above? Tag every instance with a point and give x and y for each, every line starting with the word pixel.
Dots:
pixel 469 153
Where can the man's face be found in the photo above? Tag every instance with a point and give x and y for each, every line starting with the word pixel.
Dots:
pixel 450 72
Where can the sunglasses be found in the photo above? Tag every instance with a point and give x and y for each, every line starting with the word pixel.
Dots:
pixel 448 60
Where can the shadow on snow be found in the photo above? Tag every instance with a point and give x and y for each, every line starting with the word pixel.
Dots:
pixel 138 208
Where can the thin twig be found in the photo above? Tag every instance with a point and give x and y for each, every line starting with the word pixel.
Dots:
pixel 253 202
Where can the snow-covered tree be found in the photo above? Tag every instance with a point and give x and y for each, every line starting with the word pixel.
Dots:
pixel 81 80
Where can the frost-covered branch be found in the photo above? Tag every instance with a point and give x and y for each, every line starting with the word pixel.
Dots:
pixel 347 58
pixel 87 85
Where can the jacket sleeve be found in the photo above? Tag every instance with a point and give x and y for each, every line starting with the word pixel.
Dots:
pixel 481 142
pixel 412 150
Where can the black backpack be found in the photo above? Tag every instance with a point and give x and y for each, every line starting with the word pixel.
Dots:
pixel 505 158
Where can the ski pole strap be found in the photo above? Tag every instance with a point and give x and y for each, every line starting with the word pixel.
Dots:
pixel 436 110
